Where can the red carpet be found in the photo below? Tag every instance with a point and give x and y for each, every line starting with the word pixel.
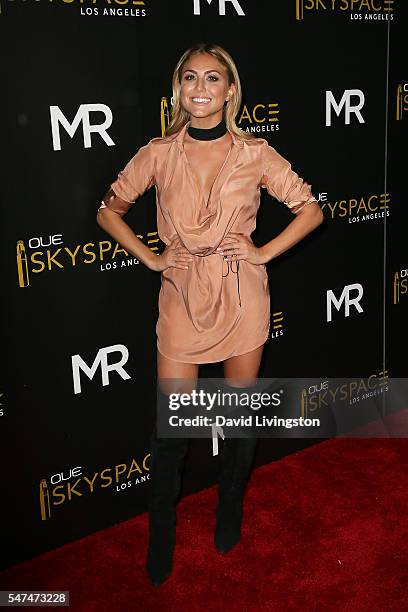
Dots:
pixel 325 529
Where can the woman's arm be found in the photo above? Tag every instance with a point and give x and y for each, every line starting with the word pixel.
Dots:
pixel 306 221
pixel 236 245
pixel 110 220
pixel 282 183
pixel 136 178
pixel 288 187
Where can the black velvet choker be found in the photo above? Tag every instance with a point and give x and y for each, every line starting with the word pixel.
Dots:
pixel 208 133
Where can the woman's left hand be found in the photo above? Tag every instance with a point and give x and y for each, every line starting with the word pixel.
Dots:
pixel 236 246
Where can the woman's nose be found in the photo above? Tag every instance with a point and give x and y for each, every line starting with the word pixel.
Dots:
pixel 200 85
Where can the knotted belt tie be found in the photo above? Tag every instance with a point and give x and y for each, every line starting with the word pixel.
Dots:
pixel 229 267
pixel 234 272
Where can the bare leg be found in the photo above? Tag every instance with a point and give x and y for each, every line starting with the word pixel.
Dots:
pixel 184 375
pixel 243 369
pixel 168 368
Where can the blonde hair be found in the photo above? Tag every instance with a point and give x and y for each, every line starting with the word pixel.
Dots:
pixel 180 116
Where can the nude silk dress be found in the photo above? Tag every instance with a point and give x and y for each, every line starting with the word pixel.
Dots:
pixel 215 309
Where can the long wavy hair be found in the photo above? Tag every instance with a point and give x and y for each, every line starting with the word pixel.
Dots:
pixel 180 116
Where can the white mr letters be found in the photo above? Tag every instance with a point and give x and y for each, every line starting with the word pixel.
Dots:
pixel 83 116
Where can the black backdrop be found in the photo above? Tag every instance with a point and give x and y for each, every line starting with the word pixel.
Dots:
pixel 66 306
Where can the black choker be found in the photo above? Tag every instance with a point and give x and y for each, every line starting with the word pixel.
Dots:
pixel 208 133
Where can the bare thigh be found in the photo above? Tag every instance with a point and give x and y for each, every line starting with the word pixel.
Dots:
pixel 176 376
pixel 242 370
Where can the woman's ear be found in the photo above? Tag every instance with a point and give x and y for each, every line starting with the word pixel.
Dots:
pixel 231 91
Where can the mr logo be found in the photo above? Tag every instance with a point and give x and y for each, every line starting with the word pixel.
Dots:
pixel 82 116
pixel 101 359
pixel 345 297
pixel 346 102
pixel 221 6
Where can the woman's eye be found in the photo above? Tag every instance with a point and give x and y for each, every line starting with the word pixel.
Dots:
pixel 188 77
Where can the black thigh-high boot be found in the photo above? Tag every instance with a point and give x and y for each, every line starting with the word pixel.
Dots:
pixel 166 464
pixel 238 456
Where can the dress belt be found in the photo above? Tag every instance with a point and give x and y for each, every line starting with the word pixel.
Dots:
pixel 229 266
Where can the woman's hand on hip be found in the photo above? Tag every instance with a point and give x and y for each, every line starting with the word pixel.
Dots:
pixel 236 246
pixel 175 255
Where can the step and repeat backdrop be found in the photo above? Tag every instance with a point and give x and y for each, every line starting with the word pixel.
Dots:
pixel 84 85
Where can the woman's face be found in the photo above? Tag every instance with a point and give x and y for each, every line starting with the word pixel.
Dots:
pixel 204 86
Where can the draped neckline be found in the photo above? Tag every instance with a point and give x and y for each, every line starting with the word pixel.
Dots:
pixel 229 159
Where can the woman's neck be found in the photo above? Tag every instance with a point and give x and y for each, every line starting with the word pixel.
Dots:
pixel 208 133
pixel 206 122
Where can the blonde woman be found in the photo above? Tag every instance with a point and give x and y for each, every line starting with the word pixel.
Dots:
pixel 214 303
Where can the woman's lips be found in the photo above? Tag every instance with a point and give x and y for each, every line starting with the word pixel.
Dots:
pixel 199 100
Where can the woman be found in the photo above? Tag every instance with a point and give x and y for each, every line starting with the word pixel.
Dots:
pixel 214 300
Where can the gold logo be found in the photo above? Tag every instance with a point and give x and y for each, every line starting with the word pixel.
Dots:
pixel 371 9
pixel 402 102
pixel 120 478
pixel 22 265
pixel 164 115
pixel 400 285
pixel 276 327
pixel 260 117
pixel 299 10
pixel 322 395
pixel 303 403
pixel 359 209
pixel 396 288
pixel 44 501
pixel 277 319
pixel 105 253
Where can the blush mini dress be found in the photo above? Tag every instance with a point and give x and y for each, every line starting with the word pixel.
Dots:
pixel 215 309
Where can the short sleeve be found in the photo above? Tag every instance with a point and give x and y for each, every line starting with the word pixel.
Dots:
pixel 282 182
pixel 135 178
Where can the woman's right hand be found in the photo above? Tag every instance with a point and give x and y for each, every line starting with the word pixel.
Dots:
pixel 175 255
